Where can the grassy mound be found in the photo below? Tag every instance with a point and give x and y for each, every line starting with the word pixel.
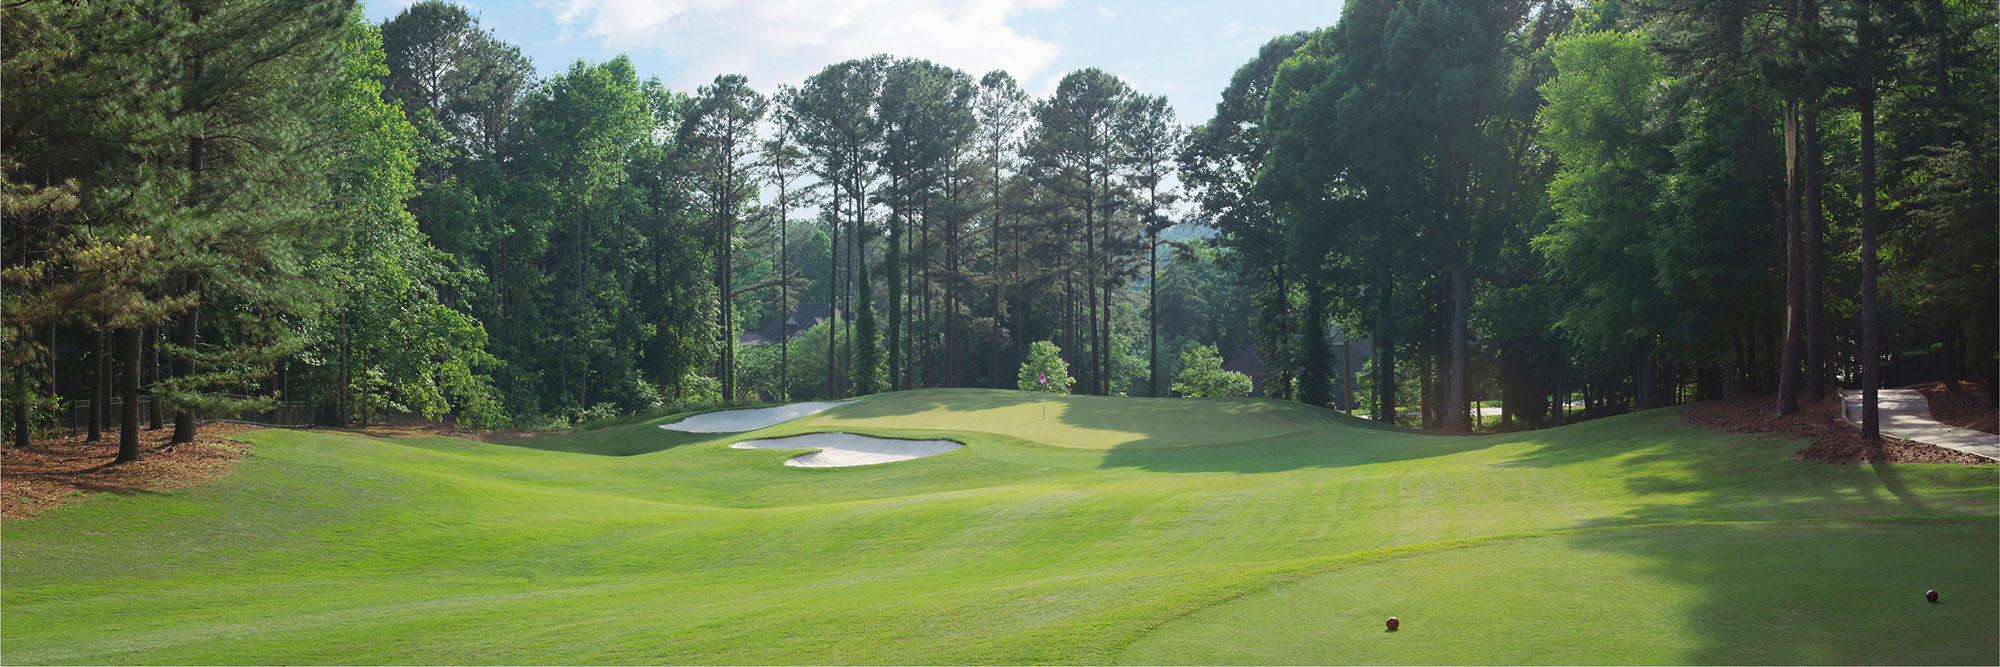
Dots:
pixel 1111 530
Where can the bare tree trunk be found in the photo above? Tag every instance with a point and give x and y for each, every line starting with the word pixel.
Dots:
pixel 784 281
pixel 1871 377
pixel 1461 293
pixel 153 411
pixel 18 385
pixel 345 398
pixel 1815 259
pixel 1424 412
pixel 1347 370
pixel 1153 312
pixel 833 301
pixel 1020 314
pixel 994 231
pixel 1385 344
pixel 1788 364
pixel 92 415
pixel 128 422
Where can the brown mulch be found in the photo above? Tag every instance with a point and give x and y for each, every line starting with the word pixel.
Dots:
pixel 48 473
pixel 1963 405
pixel 1834 441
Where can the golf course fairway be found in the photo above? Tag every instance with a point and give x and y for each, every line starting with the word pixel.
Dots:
pixel 1067 530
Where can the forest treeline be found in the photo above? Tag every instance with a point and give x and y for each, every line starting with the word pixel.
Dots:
pixel 222 204
pixel 1639 201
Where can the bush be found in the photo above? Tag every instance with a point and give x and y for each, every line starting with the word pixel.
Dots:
pixel 1202 375
pixel 1044 371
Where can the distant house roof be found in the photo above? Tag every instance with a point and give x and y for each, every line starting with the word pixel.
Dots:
pixel 805 316
pixel 1248 363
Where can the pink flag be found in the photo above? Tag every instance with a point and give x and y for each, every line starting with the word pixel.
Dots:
pixel 1042 378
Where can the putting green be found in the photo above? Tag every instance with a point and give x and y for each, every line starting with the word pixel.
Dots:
pixel 1088 422
pixel 1147 531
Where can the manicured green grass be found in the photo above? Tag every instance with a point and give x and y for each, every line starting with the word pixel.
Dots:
pixel 1113 530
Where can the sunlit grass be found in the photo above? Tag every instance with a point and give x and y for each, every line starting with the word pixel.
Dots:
pixel 1142 530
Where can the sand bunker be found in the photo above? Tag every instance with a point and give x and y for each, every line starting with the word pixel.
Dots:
pixel 749 419
pixel 847 449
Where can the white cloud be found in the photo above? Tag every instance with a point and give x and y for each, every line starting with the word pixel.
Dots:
pixel 784 41
pixel 1107 12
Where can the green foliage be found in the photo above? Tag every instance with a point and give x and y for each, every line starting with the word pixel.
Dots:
pixel 409 353
pixel 1597 249
pixel 1202 375
pixel 758 373
pixel 1044 370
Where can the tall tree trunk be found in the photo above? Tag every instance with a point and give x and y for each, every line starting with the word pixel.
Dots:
pixel 1104 338
pixel 1461 294
pixel 833 301
pixel 1815 257
pixel 784 296
pixel 184 426
pixel 1069 312
pixel 17 383
pixel 1347 371
pixel 892 276
pixel 1425 401
pixel 1020 304
pixel 128 422
pixel 951 295
pixel 1560 403
pixel 1385 345
pixel 1871 377
pixel 1642 377
pixel 1312 334
pixel 1153 312
pixel 1941 98
pixel 728 250
pixel 911 300
pixel 1788 364
pixel 95 386
pixel 928 323
pixel 346 394
pixel 153 412
pixel 1091 292
pixel 994 231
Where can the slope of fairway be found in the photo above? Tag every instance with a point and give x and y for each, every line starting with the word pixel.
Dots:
pixel 1116 529
pixel 1086 422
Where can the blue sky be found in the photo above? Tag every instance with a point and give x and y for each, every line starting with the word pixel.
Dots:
pixel 1184 50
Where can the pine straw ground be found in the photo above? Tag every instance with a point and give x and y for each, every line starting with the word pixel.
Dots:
pixel 48 473
pixel 1834 441
pixel 1964 405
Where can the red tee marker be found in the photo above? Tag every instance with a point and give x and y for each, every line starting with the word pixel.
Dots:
pixel 1931 595
pixel 1393 623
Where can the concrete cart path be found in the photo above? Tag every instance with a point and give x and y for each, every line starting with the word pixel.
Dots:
pixel 1905 414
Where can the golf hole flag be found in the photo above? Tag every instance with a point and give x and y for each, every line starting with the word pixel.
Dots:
pixel 1041 378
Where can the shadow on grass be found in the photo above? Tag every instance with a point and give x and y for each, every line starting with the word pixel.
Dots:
pixel 625 440
pixel 1819 563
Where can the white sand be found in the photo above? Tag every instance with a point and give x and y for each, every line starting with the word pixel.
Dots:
pixel 749 419
pixel 848 449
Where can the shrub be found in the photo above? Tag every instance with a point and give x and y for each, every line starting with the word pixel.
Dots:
pixel 1044 370
pixel 1202 375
